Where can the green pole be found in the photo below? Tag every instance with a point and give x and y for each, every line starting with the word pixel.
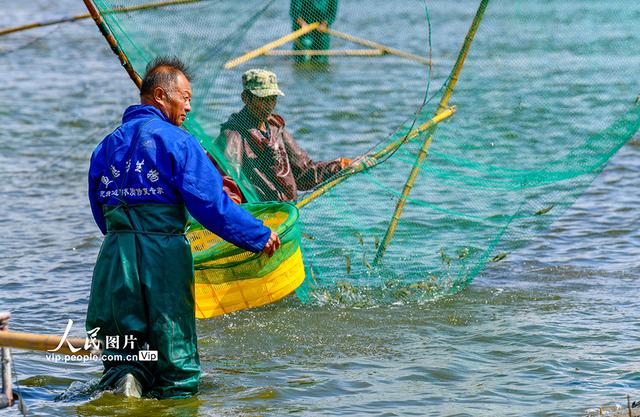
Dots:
pixel 453 79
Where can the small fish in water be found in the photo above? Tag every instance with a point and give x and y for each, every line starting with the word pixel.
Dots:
pixel 499 257
pixel 313 274
pixel 544 210
pixel 348 260
pixel 445 258
pixel 344 286
pixel 365 262
pixel 403 293
pixel 308 236
pixel 376 242
pixel 421 286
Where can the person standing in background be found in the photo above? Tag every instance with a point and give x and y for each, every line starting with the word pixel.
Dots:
pixel 302 13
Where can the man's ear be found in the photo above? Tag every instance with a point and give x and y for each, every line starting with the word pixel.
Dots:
pixel 159 94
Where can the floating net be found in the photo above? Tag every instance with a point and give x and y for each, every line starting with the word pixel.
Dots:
pixel 539 114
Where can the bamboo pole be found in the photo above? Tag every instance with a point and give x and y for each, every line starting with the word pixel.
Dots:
pixel 271 45
pixel 445 114
pixel 455 73
pixel 327 52
pixel 88 15
pixel 32 341
pixel 375 45
pixel 43 24
pixel 112 42
pixel 389 148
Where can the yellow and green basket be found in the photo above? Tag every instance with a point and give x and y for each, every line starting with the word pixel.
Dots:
pixel 228 278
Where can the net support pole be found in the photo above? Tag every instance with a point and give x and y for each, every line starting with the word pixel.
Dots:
pixel 88 15
pixel 271 45
pixel 43 24
pixel 381 153
pixel 44 342
pixel 422 154
pixel 375 45
pixel 327 52
pixel 97 17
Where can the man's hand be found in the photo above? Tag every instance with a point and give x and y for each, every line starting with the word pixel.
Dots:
pixel 272 244
pixel 365 160
pixel 300 21
pixel 344 162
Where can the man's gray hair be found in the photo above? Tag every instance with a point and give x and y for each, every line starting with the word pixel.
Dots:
pixel 163 72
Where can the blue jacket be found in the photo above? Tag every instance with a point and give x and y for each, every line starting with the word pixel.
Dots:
pixel 148 160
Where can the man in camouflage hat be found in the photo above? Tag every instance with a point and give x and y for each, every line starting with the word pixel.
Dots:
pixel 260 153
pixel 261 83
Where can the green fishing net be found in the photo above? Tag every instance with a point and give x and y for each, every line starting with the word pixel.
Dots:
pixel 210 253
pixel 539 114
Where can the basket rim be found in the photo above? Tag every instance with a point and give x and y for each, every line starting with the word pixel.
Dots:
pixel 226 249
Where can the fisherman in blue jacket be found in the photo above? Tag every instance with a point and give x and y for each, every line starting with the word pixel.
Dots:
pixel 142 178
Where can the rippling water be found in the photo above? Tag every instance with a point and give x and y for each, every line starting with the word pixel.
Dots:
pixel 551 330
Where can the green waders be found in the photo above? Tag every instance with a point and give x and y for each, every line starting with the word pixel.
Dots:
pixel 315 40
pixel 142 288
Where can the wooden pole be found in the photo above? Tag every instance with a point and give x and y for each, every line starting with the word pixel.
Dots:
pixel 391 147
pixel 327 52
pixel 5 367
pixel 271 45
pixel 88 15
pixel 32 341
pixel 375 45
pixel 112 42
pixel 453 79
pixel 43 24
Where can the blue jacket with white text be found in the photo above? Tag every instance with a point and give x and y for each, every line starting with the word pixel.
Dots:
pixel 148 160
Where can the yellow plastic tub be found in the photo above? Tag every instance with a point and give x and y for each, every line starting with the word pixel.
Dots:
pixel 228 278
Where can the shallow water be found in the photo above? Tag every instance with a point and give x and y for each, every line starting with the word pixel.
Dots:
pixel 551 330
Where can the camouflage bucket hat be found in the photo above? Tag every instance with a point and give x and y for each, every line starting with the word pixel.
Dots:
pixel 261 83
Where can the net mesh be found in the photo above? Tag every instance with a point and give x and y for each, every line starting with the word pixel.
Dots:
pixel 539 114
pixel 212 254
